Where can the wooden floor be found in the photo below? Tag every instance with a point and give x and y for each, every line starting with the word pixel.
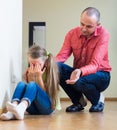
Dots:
pixel 61 120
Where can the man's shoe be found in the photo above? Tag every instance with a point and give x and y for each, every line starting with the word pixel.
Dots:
pixel 74 108
pixel 97 108
pixel 83 101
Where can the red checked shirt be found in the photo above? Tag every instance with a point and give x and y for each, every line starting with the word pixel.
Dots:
pixel 90 55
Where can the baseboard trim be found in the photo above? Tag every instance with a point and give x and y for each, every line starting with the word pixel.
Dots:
pixel 106 99
pixel 2 110
pixel 110 99
pixel 64 99
pixel 67 99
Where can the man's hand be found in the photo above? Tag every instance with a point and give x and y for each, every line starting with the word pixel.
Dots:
pixel 75 75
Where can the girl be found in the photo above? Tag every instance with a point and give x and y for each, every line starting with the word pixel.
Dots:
pixel 38 95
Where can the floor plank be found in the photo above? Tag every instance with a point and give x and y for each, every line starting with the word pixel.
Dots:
pixel 61 120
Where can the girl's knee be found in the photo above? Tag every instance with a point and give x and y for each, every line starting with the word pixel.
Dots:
pixel 32 84
pixel 21 83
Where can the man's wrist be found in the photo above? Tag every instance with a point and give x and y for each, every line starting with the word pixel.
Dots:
pixel 80 72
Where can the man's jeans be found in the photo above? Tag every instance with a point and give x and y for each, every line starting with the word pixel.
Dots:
pixel 39 101
pixel 90 85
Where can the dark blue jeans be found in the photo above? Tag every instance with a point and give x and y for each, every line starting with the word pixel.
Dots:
pixel 90 85
pixel 39 101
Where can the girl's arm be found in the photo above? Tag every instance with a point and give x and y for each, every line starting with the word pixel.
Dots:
pixel 25 75
pixel 38 76
pixel 39 81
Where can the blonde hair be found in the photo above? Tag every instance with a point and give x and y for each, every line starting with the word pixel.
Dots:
pixel 52 77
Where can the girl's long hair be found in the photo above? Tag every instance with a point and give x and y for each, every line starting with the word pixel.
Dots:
pixel 52 77
pixel 52 80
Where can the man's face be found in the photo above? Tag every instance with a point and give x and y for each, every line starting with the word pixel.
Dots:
pixel 88 24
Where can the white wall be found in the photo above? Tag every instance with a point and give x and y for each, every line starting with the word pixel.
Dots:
pixel 10 47
pixel 62 15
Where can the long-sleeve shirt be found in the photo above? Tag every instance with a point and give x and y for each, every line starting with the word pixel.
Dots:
pixel 90 54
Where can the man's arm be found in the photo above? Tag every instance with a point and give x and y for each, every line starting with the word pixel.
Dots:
pixel 65 51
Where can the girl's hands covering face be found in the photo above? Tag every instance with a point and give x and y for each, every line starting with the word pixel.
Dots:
pixel 36 69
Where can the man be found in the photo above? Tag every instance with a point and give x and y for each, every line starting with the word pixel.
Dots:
pixel 90 74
